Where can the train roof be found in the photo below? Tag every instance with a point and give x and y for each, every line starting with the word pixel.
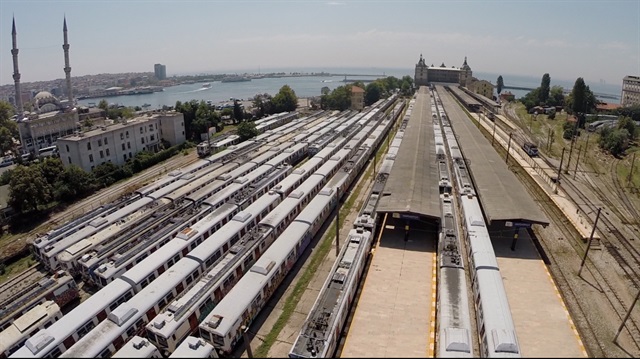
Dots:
pixel 136 347
pixel 46 339
pixel 250 285
pixel 215 241
pixel 193 347
pixel 27 322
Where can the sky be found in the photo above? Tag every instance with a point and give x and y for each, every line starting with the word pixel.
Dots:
pixel 596 40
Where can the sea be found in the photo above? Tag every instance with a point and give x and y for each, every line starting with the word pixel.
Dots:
pixel 311 86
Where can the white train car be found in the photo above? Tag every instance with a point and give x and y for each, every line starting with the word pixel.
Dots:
pixel 37 318
pixel 453 336
pixel 60 336
pixel 138 347
pixel 498 338
pixel 167 254
pixel 321 330
pixel 193 347
pixel 59 287
pixel 180 319
pixel 131 316
pixel 222 327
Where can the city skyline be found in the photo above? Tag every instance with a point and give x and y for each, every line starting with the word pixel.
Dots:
pixel 595 40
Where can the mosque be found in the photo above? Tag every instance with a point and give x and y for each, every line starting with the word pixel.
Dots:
pixel 50 117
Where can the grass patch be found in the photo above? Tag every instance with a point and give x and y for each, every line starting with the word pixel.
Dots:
pixel 16 267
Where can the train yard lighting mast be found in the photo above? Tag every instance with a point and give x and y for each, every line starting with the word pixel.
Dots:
pixel 615 339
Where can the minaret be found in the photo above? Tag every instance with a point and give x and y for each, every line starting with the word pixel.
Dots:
pixel 67 68
pixel 16 73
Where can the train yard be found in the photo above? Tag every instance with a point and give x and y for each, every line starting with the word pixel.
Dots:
pixel 202 258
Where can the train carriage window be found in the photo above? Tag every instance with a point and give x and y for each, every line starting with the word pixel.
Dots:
pixel 54 353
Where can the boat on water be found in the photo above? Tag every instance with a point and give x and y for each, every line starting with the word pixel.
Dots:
pixel 206 85
pixel 146 105
pixel 235 79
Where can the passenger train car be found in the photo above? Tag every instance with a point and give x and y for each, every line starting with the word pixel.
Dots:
pixel 138 347
pixel 453 332
pixel 222 327
pixel 39 317
pixel 321 330
pixel 494 323
pixel 193 347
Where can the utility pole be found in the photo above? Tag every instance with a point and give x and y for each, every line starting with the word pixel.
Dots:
pixel 615 339
pixel 577 161
pixel 584 258
pixel 559 171
pixel 633 161
pixel 573 137
pixel 508 149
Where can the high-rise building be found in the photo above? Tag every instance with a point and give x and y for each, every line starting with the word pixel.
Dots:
pixel 630 91
pixel 160 71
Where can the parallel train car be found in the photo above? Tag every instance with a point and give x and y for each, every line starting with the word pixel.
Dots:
pixel 222 327
pixel 321 330
pixel 193 347
pixel 138 347
pixel 39 317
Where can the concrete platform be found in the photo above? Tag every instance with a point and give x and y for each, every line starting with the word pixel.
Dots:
pixel 544 181
pixel 543 324
pixel 395 311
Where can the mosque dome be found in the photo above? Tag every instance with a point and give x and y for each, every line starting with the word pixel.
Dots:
pixel 44 101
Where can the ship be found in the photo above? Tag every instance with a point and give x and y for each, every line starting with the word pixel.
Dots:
pixel 235 78
pixel 206 85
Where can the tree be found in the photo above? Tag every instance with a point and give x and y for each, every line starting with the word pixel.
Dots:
pixel 74 183
pixel 286 100
pixel 6 140
pixel 556 96
pixel 579 97
pixel 544 88
pixel 628 124
pixel 325 90
pixel 28 189
pixel 103 104
pixel 338 99
pixel 499 84
pixel 51 169
pixel 237 111
pixel 372 93
pixel 263 105
pixel 247 130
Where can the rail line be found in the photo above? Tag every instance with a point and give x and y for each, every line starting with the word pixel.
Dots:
pixel 18 283
pixel 606 287
pixel 587 329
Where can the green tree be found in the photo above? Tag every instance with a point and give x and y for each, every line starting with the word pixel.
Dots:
pixel 499 84
pixel 6 111
pixel 238 113
pixel 51 169
pixel 28 189
pixel 286 100
pixel 338 99
pixel 628 124
pixel 544 88
pixel 372 93
pixel 74 183
pixel 556 96
pixel 247 130
pixel 579 96
pixel 263 105
pixel 615 141
pixel 188 110
pixel 325 90
pixel 6 140
pixel 103 104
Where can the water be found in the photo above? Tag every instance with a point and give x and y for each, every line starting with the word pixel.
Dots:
pixel 310 86
pixel 307 86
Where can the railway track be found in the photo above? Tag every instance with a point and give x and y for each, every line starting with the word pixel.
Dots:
pixel 18 283
pixel 618 303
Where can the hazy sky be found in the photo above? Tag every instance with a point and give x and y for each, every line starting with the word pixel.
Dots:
pixel 596 40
